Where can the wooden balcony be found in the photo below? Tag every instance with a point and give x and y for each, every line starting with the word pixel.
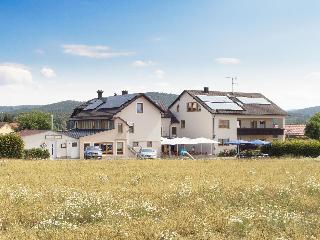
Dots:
pixel 260 131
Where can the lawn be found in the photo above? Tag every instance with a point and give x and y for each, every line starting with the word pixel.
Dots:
pixel 202 199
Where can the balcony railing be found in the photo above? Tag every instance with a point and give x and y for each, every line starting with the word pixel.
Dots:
pixel 260 131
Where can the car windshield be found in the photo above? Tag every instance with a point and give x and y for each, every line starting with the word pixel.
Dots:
pixel 90 148
pixel 147 150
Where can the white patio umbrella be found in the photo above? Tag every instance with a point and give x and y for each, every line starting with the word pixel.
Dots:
pixel 203 140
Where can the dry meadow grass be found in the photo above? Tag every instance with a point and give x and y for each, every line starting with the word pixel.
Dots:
pixel 203 199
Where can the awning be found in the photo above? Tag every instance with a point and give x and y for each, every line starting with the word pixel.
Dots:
pixel 186 141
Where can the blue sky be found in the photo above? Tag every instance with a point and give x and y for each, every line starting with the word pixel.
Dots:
pixel 59 50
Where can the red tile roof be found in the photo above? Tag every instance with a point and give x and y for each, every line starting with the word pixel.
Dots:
pixel 28 132
pixel 295 130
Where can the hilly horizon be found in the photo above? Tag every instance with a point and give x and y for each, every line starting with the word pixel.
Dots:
pixel 63 109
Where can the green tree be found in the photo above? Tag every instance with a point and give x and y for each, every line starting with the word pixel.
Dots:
pixel 313 127
pixel 34 120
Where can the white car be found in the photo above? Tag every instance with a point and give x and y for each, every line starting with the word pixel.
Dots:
pixel 147 153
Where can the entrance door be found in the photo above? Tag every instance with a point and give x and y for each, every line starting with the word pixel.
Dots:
pixel 52 147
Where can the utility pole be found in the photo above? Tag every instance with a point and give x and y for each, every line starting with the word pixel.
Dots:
pixel 233 82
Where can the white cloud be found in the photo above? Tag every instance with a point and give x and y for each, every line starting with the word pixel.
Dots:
pixel 97 51
pixel 159 73
pixel 14 74
pixel 140 63
pixel 228 60
pixel 156 39
pixel 48 72
pixel 39 51
pixel 313 76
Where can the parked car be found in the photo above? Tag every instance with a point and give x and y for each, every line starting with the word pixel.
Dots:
pixel 93 152
pixel 147 153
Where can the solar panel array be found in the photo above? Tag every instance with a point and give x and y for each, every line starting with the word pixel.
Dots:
pixel 216 99
pixel 93 104
pixel 247 100
pixel 219 103
pixel 116 101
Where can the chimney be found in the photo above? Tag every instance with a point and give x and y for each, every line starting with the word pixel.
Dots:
pixel 124 92
pixel 206 89
pixel 99 94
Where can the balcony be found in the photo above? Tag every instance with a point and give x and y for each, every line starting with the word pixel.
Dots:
pixel 260 131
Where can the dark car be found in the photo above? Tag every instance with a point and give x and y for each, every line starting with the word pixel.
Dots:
pixel 93 152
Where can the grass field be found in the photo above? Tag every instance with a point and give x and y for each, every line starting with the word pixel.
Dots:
pixel 262 199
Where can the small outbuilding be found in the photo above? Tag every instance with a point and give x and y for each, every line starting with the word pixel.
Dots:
pixel 58 144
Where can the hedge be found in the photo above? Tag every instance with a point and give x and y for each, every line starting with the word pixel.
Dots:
pixel 36 153
pixel 11 146
pixel 296 148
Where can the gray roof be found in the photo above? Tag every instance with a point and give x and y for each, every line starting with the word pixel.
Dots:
pixel 78 133
pixel 247 109
pixel 107 107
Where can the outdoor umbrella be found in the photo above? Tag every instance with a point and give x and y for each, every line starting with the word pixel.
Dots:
pixel 259 142
pixel 238 143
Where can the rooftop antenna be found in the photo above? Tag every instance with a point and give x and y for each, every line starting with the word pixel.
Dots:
pixel 233 82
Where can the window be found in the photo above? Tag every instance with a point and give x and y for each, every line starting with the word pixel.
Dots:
pixel 85 145
pixel 239 124
pixel 224 124
pixel 193 107
pixel 139 107
pixel 74 144
pixel 109 148
pixel 149 144
pixel 76 124
pixel 131 128
pixel 119 148
pixel 63 145
pixel 262 124
pixel 174 131
pixel 120 128
pixel 254 124
pixel 135 144
pixel 183 123
pixel 178 108
pixel 223 142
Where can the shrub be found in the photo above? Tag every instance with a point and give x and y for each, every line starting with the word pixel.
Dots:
pixel 11 146
pixel 228 153
pixel 296 148
pixel 36 153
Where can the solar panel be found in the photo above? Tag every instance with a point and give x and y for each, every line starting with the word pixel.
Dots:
pixel 216 99
pixel 247 100
pixel 116 101
pixel 93 104
pixel 224 106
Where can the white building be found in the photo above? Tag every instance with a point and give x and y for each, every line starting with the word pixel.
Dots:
pixel 120 124
pixel 226 116
pixel 58 144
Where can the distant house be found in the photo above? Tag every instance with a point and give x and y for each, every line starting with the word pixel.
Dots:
pixel 225 116
pixel 120 125
pixel 6 128
pixel 58 144
pixel 295 130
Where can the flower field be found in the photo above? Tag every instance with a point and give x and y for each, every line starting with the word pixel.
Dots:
pixel 173 199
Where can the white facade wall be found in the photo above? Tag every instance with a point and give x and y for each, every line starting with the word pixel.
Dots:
pixel 59 145
pixel 110 136
pixel 147 125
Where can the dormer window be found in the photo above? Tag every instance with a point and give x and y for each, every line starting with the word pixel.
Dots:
pixel 139 107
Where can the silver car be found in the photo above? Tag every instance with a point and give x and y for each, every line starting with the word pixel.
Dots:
pixel 93 152
pixel 146 153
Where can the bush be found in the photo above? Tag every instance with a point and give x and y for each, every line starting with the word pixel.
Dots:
pixel 228 153
pixel 11 146
pixel 296 148
pixel 36 153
